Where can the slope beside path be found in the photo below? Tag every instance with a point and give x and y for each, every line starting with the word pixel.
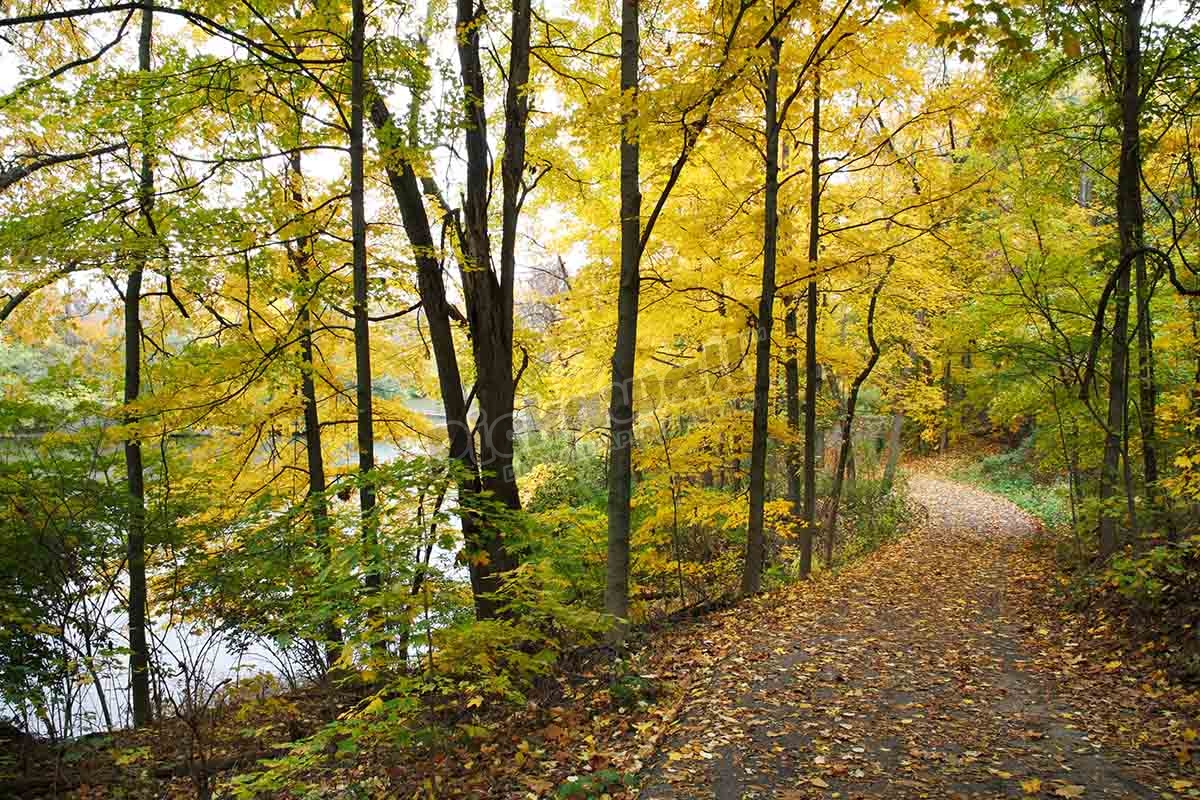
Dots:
pixel 940 666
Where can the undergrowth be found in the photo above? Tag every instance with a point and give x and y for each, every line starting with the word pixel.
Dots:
pixel 1012 476
pixel 1151 585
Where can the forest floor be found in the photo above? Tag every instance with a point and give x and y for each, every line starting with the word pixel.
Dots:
pixel 942 666
pixel 946 664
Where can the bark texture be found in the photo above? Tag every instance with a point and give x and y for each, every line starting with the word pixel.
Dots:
pixel 811 374
pixel 755 544
pixel 362 324
pixel 1129 225
pixel 139 650
pixel 620 410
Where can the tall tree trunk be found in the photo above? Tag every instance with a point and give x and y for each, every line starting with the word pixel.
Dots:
pixel 752 569
pixel 139 651
pixel 811 375
pixel 944 439
pixel 362 323
pixel 1134 240
pixel 795 492
pixel 432 290
pixel 300 254
pixel 846 451
pixel 1194 308
pixel 489 314
pixel 1147 386
pixel 620 409
pixel 516 115
pixel 1129 225
pixel 1131 228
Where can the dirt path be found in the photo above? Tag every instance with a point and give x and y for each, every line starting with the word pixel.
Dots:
pixel 922 671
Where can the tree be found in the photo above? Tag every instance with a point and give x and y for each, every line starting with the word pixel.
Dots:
pixel 812 374
pixel 693 122
pixel 362 323
pixel 139 649
pixel 845 451
pixel 620 409
pixel 752 571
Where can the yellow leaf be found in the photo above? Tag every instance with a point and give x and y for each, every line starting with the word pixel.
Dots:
pixel 1070 790
pixel 1180 785
pixel 475 702
pixel 1031 786
pixel 820 784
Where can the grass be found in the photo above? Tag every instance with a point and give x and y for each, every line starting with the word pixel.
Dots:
pixel 1009 476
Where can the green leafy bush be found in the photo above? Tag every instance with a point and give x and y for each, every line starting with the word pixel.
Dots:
pixel 630 690
pixel 597 785
pixel 1014 476
pixel 872 513
pixel 1166 575
pixel 1160 588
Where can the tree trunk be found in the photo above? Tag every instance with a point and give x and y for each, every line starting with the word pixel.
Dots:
pixel 300 254
pixel 516 115
pixel 1129 225
pixel 893 450
pixel 1147 386
pixel 489 315
pixel 362 324
pixel 944 439
pixel 139 651
pixel 844 454
pixel 811 375
pixel 620 409
pixel 752 570
pixel 792 373
pixel 432 290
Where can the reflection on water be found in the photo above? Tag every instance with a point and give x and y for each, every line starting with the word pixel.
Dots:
pixel 189 658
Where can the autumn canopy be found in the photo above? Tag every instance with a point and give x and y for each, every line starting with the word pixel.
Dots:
pixel 369 368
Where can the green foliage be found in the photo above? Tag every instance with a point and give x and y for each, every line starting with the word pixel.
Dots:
pixel 277 576
pixel 1048 503
pixel 557 470
pixel 563 489
pixel 1158 589
pixel 872 515
pixel 572 541
pixel 474 665
pixel 1166 575
pixel 596 786
pixel 1011 475
pixel 61 523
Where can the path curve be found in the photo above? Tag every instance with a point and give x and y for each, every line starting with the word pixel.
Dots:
pixel 905 675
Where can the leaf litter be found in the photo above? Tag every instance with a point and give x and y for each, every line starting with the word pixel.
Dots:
pixel 941 666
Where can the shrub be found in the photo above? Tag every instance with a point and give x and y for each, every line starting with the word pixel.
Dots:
pixel 872 514
pixel 1013 475
pixel 1160 588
